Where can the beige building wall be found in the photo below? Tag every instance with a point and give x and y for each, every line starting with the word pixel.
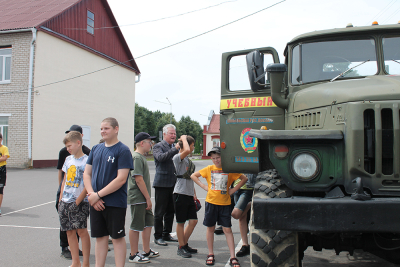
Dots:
pixel 86 100
pixel 14 97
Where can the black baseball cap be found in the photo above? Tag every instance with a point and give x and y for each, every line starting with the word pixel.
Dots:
pixel 75 128
pixel 216 149
pixel 143 136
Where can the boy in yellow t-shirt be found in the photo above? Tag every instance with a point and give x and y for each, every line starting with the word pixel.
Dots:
pixel 4 155
pixel 218 202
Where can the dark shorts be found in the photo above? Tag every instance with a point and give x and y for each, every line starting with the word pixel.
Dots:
pixel 185 209
pixel 3 177
pixel 110 221
pixel 242 198
pixel 216 213
pixel 73 217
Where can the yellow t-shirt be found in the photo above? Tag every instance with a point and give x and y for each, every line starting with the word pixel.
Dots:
pixel 4 151
pixel 218 184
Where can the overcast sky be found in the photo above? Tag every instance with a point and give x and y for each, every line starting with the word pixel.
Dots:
pixel 189 73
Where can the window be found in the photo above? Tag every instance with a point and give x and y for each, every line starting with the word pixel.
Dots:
pixel 215 142
pixel 238 75
pixel 5 64
pixel 391 54
pixel 86 135
pixel 4 129
pixel 90 22
pixel 319 61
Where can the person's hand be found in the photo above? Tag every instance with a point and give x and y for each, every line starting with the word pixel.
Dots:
pixel 177 146
pixel 76 202
pixel 149 204
pixel 194 197
pixel 183 137
pixel 99 206
pixel 230 191
pixel 93 198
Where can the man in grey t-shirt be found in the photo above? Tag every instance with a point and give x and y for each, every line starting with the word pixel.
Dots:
pixel 184 196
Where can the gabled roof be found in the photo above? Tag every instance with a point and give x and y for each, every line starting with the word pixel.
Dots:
pixel 22 14
pixel 65 19
pixel 214 124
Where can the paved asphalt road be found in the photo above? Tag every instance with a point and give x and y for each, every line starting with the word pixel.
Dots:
pixel 29 230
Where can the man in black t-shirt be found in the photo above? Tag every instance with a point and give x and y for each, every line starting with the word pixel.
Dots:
pixel 65 253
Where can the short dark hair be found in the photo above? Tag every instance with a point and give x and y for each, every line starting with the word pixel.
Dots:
pixel 112 121
pixel 189 139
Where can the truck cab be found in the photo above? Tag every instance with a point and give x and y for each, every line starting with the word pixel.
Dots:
pixel 322 131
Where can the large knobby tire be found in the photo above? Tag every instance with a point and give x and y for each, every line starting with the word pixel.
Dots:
pixel 272 248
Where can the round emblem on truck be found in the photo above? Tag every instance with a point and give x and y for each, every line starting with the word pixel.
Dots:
pixel 249 144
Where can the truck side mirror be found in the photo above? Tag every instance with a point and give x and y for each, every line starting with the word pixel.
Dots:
pixel 255 69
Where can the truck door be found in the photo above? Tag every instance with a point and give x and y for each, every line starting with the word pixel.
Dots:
pixel 242 109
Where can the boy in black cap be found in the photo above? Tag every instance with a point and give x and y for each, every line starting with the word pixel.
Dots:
pixel 65 253
pixel 139 198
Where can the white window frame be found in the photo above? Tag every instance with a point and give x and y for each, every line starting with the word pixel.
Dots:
pixel 86 135
pixel 3 74
pixel 5 138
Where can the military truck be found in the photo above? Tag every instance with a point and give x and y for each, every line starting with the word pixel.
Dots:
pixel 322 130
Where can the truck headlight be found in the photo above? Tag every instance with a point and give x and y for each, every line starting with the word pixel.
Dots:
pixel 305 166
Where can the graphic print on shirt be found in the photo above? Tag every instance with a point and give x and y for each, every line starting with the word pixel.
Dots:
pixel 74 180
pixel 219 181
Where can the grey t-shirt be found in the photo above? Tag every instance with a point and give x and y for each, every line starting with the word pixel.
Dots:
pixel 182 186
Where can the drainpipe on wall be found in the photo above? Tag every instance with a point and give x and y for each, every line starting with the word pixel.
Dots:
pixel 30 94
pixel 138 78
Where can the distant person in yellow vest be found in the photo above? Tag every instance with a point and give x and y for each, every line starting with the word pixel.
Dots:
pixel 4 155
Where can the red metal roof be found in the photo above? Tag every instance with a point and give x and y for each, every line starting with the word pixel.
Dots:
pixel 20 14
pixel 67 19
pixel 214 124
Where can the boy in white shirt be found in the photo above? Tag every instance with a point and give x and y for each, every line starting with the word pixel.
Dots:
pixel 73 209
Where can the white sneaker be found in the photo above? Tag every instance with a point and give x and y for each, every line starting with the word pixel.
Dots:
pixel 138 258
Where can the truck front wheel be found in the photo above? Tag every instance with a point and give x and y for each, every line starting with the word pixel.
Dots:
pixel 272 248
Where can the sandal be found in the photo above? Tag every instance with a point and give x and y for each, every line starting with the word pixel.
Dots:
pixel 210 259
pixel 234 264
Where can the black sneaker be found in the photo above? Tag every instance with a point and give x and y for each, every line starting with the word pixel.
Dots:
pixel 183 252
pixel 138 258
pixel 245 250
pixel 66 254
pixel 189 249
pixel 151 254
pixel 218 230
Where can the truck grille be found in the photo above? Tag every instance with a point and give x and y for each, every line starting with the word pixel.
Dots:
pixel 307 120
pixel 381 140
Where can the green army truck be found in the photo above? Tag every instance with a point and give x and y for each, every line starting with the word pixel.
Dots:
pixel 322 132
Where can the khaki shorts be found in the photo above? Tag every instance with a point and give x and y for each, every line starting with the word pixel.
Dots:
pixel 141 218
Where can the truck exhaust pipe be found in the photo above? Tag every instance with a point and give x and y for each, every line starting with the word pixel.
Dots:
pixel 276 73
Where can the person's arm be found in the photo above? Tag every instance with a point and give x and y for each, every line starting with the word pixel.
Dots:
pixel 243 180
pixel 194 196
pixel 195 177
pixel 94 201
pixel 142 187
pixel 186 148
pixel 114 185
pixel 60 176
pixel 62 188
pixel 163 156
pixel 3 158
pixel 81 197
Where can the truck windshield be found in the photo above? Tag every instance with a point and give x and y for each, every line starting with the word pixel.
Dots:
pixel 391 53
pixel 321 61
